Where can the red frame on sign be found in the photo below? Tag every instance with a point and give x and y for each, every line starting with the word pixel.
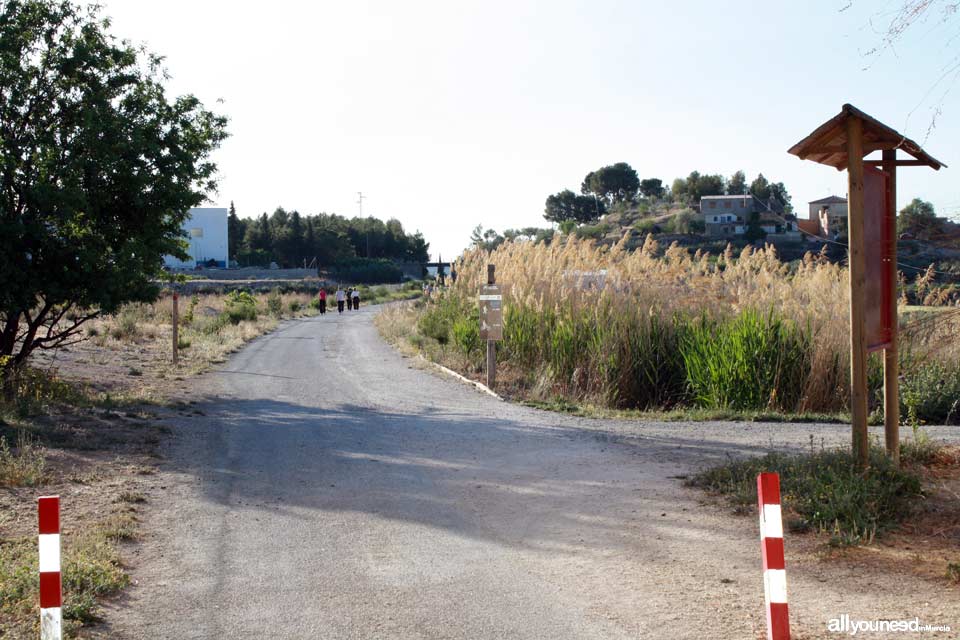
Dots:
pixel 879 226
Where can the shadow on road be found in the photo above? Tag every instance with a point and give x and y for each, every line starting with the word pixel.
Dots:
pixel 536 486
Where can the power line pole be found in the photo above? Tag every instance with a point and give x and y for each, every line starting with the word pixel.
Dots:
pixel 360 198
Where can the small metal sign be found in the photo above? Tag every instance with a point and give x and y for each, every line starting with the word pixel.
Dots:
pixel 491 313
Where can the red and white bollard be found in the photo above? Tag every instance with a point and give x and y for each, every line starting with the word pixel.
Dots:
pixel 774 567
pixel 48 509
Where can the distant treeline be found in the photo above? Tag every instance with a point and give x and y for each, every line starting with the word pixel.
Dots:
pixel 292 240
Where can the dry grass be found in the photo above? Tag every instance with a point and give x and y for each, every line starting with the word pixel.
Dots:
pixel 22 466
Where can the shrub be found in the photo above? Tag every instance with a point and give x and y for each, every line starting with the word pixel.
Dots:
pixel 125 323
pixel 826 491
pixel 930 393
pixel 240 306
pixel 294 306
pixel 24 467
pixel 466 335
pixel 439 316
pixel 275 303
pixel 434 324
pixel 188 316
pixel 646 226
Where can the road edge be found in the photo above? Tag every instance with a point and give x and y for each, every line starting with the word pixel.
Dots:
pixel 450 372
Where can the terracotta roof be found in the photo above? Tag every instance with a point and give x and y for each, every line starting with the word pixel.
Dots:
pixel 828 143
pixel 829 200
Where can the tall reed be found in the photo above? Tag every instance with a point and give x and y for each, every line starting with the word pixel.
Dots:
pixel 658 327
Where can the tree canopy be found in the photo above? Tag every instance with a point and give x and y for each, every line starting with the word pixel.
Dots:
pixel 291 239
pixel 652 188
pixel 697 185
pixel 920 219
pixel 99 168
pixel 567 205
pixel 613 183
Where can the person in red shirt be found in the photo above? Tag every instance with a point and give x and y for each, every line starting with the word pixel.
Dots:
pixel 323 300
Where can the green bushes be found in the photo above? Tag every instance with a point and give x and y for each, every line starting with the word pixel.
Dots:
pixel 466 335
pixel 930 392
pixel 825 490
pixel 275 303
pixel 435 323
pixel 240 306
pixel 753 361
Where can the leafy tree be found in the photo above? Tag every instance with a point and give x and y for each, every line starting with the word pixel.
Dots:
pixel 685 221
pixel 99 169
pixel 652 188
pixel 763 189
pixel 487 240
pixel 919 218
pixel 679 190
pixel 614 183
pixel 754 231
pixel 710 185
pixel 696 186
pixel 567 205
pixel 760 187
pixel 737 184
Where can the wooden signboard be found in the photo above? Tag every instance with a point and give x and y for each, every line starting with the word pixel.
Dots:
pixel 491 313
pixel 878 239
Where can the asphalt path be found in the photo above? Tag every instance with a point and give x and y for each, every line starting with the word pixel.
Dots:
pixel 327 487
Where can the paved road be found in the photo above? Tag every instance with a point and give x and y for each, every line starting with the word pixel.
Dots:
pixel 333 490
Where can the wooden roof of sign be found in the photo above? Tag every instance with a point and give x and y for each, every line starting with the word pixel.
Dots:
pixel 828 143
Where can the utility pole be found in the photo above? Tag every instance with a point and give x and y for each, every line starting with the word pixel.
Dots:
pixel 360 198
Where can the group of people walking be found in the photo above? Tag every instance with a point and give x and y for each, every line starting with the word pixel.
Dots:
pixel 349 298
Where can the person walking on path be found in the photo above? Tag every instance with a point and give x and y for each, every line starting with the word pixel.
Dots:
pixel 341 297
pixel 356 299
pixel 323 300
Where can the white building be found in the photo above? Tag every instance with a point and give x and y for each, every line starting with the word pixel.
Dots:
pixel 206 230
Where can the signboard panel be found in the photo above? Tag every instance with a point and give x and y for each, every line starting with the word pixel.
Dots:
pixel 878 238
pixel 491 313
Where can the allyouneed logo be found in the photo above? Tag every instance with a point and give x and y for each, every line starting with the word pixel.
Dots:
pixel 844 624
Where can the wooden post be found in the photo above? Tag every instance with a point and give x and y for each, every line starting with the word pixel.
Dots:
pixel 176 334
pixel 491 344
pixel 858 347
pixel 891 366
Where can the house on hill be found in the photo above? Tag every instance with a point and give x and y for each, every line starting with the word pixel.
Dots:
pixel 827 217
pixel 728 216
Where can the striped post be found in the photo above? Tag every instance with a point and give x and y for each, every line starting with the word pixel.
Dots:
pixel 774 567
pixel 48 509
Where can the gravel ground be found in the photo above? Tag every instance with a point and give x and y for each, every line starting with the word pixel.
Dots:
pixel 326 487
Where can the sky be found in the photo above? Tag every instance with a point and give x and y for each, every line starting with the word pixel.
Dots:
pixel 449 114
